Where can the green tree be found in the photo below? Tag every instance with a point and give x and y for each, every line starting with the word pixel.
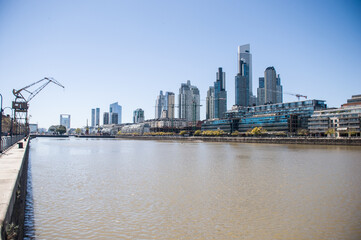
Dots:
pixel 53 128
pixel 61 129
pixel 78 131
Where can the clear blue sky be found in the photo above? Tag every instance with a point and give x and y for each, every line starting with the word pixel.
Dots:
pixel 127 51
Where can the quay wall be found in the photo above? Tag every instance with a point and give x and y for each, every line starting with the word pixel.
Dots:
pixel 13 181
pixel 275 140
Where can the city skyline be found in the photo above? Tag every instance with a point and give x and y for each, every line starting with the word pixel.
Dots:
pixel 102 53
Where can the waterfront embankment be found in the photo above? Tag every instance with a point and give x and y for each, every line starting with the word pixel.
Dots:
pixel 276 140
pixel 13 174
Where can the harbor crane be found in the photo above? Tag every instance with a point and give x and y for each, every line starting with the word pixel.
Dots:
pixel 23 97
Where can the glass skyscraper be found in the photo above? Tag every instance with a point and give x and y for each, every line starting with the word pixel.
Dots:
pixel 243 80
pixel 220 94
pixel 65 120
pixel 138 115
pixel 105 118
pixel 115 108
pixel 217 97
pixel 93 118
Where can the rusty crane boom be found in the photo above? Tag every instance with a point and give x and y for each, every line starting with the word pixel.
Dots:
pixel 23 97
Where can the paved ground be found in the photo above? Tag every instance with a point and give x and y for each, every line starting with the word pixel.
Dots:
pixel 10 165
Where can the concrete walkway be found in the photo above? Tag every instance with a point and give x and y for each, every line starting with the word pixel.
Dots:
pixel 11 163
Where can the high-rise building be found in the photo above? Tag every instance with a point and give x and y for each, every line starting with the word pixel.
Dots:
pixel 115 108
pixel 210 103
pixel 105 118
pixel 243 80
pixel 65 120
pixel 217 97
pixel 169 104
pixel 138 115
pixel 242 86
pixel 164 105
pixel 220 94
pixel 159 105
pixel 93 118
pixel 97 116
pixel 189 102
pixel 114 117
pixel 260 92
pixel 270 89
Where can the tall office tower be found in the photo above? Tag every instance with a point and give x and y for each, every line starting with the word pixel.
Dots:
pixel 243 80
pixel 260 92
pixel 93 118
pixel 242 85
pixel 105 118
pixel 169 104
pixel 279 90
pixel 210 103
pixel 159 105
pixel 97 116
pixel 253 100
pixel 114 118
pixel 220 94
pixel 189 102
pixel 65 120
pixel 115 108
pixel 138 115
pixel 270 88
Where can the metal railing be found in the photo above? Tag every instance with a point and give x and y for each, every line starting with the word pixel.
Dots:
pixel 8 141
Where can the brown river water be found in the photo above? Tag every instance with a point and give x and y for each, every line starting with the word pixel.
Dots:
pixel 129 189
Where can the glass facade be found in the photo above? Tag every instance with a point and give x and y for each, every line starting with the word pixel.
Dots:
pixel 243 80
pixel 105 118
pixel 65 120
pixel 242 85
pixel 138 116
pixel 220 94
pixel 286 117
pixel 93 118
pixel 115 108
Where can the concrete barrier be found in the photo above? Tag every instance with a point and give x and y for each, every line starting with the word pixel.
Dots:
pixel 13 179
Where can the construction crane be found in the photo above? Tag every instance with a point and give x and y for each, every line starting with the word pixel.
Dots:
pixel 21 103
pixel 297 95
pixel 288 93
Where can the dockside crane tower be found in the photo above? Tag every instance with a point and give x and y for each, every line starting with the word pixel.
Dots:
pixel 21 103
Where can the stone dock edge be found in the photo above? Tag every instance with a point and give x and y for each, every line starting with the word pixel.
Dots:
pixel 278 140
pixel 13 181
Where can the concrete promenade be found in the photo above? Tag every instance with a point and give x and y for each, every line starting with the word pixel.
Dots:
pixel 13 172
